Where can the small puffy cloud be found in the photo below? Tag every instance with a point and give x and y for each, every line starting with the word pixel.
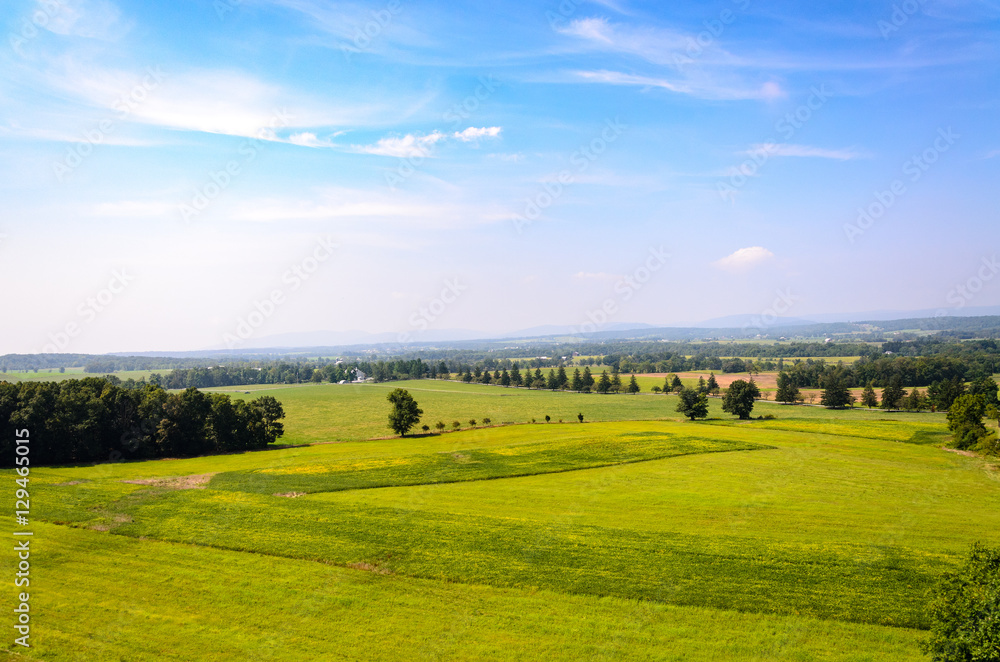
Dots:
pixel 744 258
pixel 406 146
pixel 475 133
pixel 305 139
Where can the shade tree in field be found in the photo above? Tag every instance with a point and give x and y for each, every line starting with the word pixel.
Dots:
pixel 740 397
pixel 405 413
pixel 692 404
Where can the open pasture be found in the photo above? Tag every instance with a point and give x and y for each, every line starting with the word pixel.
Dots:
pixel 811 536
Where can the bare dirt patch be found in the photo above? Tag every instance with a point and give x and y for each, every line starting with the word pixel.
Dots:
pixel 72 482
pixel 195 482
pixel 368 567
pixel 965 453
pixel 290 495
pixel 764 379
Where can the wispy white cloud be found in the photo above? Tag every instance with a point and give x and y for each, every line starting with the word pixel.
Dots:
pixel 807 151
pixel 412 145
pixel 93 19
pixel 744 259
pixel 702 89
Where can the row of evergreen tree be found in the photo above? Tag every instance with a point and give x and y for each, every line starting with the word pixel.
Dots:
pixel 96 420
pixel 939 396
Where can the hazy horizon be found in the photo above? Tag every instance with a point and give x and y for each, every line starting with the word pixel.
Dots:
pixel 173 174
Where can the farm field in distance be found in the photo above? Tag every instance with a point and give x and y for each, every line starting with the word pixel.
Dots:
pixel 52 375
pixel 814 535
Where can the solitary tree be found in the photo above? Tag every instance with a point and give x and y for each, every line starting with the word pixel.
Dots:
pixel 868 398
pixel 740 397
pixel 633 386
pixel 405 413
pixel 965 611
pixel 580 417
pixel 692 404
pixel 788 392
pixel 713 385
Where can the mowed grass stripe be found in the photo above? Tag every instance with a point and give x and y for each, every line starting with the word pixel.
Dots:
pixel 837 581
pixel 165 601
pixel 580 451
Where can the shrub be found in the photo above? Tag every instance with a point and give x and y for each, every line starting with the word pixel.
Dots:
pixel 456 424
pixel 486 421
pixel 440 425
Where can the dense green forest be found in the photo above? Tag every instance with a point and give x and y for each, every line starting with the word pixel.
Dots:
pixel 96 420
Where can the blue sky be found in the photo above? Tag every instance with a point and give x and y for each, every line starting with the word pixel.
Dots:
pixel 176 175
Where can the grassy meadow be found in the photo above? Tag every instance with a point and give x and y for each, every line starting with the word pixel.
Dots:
pixel 53 375
pixel 636 535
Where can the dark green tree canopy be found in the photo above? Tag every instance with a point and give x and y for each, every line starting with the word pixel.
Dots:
pixel 787 392
pixel 740 398
pixel 692 404
pixel 965 611
pixel 405 413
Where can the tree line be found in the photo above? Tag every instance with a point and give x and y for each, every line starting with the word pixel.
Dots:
pixel 96 420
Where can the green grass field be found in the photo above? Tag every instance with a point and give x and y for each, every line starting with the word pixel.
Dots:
pixel 53 375
pixel 353 412
pixel 813 536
